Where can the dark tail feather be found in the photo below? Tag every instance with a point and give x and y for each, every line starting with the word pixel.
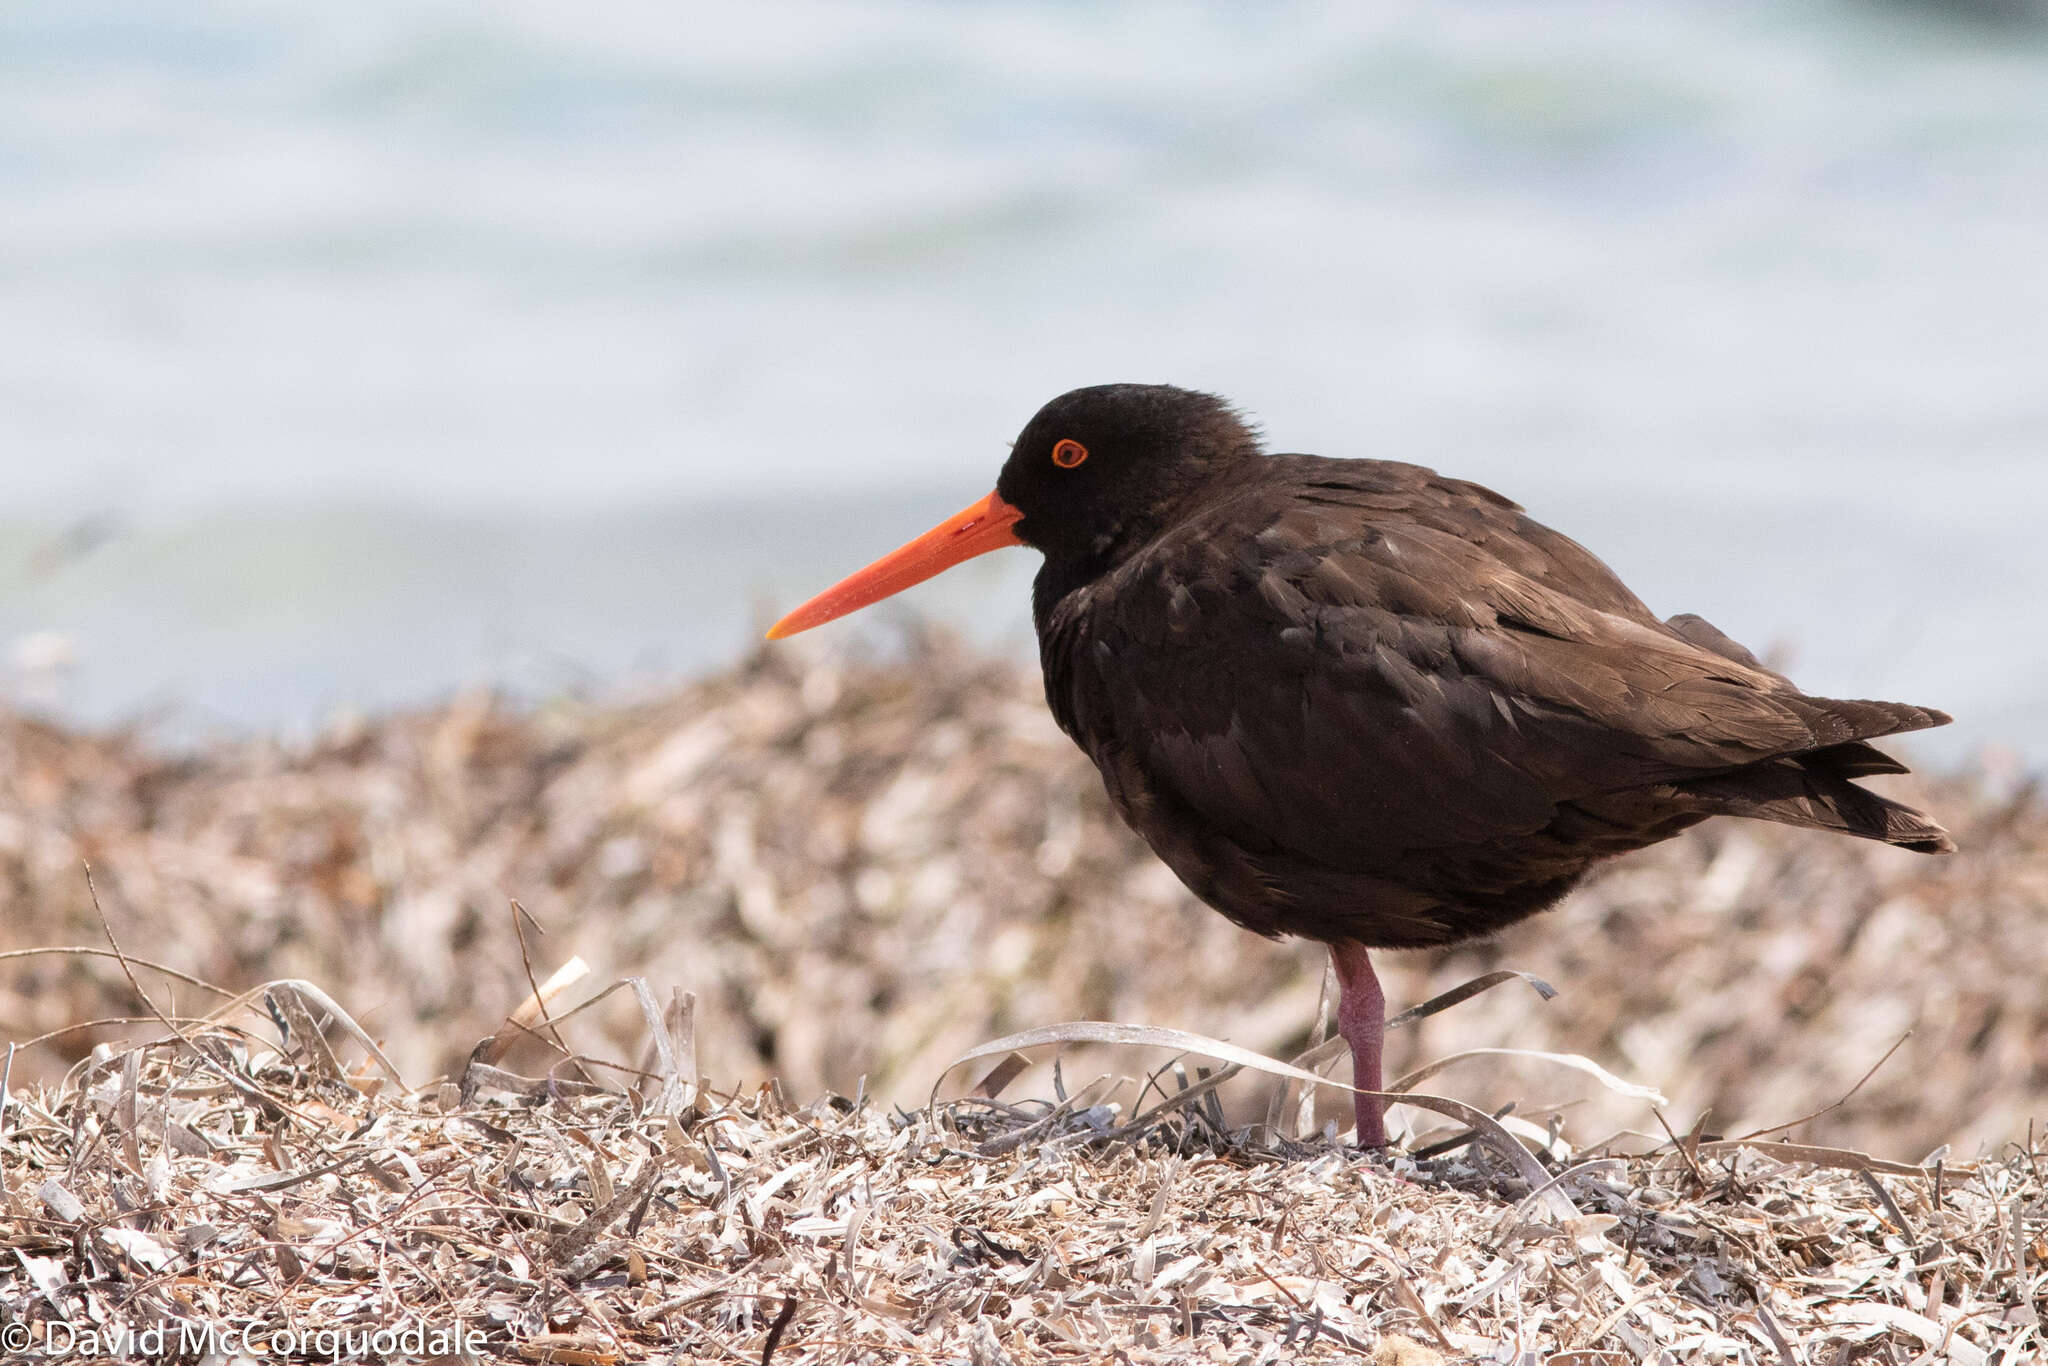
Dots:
pixel 1815 789
pixel 1838 722
pixel 1854 760
pixel 1808 790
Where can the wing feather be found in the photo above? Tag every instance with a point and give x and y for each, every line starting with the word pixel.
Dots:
pixel 1395 662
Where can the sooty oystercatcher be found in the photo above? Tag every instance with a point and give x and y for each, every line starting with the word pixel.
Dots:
pixel 1358 701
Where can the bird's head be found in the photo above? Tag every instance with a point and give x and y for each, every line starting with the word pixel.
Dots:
pixel 1095 469
pixel 1096 463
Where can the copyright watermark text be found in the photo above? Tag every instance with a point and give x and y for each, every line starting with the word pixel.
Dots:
pixel 55 1339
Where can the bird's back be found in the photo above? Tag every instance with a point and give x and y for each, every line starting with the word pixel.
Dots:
pixel 1355 699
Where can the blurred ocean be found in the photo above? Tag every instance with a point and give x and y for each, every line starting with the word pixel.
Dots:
pixel 350 354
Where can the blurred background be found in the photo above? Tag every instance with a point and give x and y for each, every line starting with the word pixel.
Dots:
pixel 353 354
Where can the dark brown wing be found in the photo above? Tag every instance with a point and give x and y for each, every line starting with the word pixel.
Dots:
pixel 1392 662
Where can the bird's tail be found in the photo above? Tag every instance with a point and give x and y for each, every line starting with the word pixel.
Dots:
pixel 1788 792
pixel 1816 789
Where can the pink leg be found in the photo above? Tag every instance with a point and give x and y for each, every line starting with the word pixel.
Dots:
pixel 1362 1020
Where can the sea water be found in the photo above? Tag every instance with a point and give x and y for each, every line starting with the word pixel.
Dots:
pixel 351 354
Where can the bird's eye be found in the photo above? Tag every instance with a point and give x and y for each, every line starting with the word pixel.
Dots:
pixel 1068 453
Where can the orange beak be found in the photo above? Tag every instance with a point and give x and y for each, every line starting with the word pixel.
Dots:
pixel 969 532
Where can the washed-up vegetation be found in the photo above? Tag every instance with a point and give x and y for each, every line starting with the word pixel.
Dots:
pixel 259 1182
pixel 833 878
pixel 861 870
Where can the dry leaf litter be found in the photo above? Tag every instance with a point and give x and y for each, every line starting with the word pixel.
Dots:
pixel 863 869
pixel 860 870
pixel 258 1176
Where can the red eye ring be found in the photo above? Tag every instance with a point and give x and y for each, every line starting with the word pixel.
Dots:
pixel 1067 453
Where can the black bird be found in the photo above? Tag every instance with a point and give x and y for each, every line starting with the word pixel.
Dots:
pixel 1357 701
